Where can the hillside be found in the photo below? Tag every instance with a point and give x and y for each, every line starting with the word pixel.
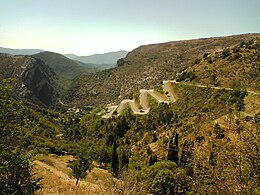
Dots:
pixel 20 51
pixel 100 61
pixel 146 66
pixel 234 66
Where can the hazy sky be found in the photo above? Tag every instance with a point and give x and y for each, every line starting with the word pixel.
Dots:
pixel 86 27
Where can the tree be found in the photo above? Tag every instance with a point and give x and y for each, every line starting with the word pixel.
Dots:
pixel 115 161
pixel 104 154
pixel 218 131
pixel 163 182
pixel 186 75
pixel 187 157
pixel 174 149
pixel 16 175
pixel 164 177
pixel 79 167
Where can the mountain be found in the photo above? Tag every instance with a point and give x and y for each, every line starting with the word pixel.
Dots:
pixel 63 66
pixel 20 51
pixel 100 61
pixel 146 66
pixel 71 56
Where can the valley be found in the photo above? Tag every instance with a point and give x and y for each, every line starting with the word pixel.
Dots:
pixel 184 115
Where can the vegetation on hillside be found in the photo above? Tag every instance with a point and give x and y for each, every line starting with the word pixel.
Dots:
pixel 229 67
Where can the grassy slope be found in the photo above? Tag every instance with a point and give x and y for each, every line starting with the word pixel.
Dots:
pixel 242 67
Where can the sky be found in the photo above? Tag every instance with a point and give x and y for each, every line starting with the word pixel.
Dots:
pixel 86 27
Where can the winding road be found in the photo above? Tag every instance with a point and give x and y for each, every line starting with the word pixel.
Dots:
pixel 144 101
pixel 167 97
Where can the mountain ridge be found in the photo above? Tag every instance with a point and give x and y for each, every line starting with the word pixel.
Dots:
pixel 100 61
pixel 20 51
pixel 63 66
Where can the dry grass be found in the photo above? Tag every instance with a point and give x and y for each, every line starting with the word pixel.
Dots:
pixel 252 104
pixel 56 178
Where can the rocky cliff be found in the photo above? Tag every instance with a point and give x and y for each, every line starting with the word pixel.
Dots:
pixel 32 78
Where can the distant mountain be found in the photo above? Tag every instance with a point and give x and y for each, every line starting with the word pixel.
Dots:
pixel 63 66
pixel 71 56
pixel 20 51
pixel 100 61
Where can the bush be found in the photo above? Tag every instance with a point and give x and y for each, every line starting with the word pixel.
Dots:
pixel 186 75
pixel 165 177
pixel 120 62
pixel 205 56
pixel 226 52
pixel 197 61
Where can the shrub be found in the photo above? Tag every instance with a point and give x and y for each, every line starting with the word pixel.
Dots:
pixel 197 61
pixel 226 52
pixel 165 177
pixel 186 75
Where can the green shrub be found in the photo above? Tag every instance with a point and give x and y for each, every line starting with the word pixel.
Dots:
pixel 186 75
pixel 165 177
pixel 226 52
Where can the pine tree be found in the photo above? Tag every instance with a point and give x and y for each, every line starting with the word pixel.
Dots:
pixel 115 161
pixel 173 149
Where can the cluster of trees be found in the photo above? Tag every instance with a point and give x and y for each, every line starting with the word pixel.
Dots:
pixel 16 175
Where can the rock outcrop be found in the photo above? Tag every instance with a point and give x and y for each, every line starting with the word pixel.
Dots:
pixel 38 79
pixel 33 79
